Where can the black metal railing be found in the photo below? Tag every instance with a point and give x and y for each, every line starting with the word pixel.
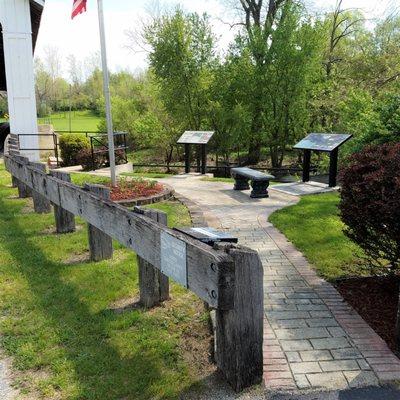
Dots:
pixel 225 169
pixel 55 147
pixel 99 145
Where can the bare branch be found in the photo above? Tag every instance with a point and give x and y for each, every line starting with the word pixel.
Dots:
pixel 388 80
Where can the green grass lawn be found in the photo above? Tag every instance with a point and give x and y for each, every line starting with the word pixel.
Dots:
pixel 58 320
pixel 146 156
pixel 80 178
pixel 313 225
pixel 212 179
pixel 153 175
pixel 80 121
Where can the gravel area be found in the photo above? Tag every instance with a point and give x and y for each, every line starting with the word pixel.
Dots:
pixel 6 391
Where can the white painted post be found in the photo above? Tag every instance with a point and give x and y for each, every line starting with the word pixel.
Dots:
pixel 107 96
pixel 18 53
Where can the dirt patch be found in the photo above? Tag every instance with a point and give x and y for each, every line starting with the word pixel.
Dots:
pixel 124 305
pixel 196 346
pixel 7 378
pixel 28 207
pixel 375 299
pixel 195 342
pixel 51 230
pixel 78 258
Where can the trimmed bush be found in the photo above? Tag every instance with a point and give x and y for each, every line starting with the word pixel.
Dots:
pixel 70 146
pixel 370 203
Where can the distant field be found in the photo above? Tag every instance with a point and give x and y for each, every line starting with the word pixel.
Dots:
pixel 80 121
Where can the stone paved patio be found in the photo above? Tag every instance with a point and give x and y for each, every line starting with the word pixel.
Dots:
pixel 313 340
pixel 301 189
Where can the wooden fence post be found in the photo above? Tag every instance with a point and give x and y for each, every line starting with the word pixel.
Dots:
pixel 65 221
pixel 14 181
pixel 153 284
pixel 23 190
pixel 239 332
pixel 100 244
pixel 40 204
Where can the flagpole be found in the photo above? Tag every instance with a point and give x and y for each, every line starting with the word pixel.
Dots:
pixel 107 97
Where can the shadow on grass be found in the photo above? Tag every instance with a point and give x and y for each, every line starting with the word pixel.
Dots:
pixel 83 337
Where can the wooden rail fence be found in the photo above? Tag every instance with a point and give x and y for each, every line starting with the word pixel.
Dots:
pixel 229 278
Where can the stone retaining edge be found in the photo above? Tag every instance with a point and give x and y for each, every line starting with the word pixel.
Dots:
pixel 166 194
pixel 196 213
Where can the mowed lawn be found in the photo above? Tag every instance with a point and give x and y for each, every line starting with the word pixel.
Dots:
pixel 64 322
pixel 85 121
pixel 314 226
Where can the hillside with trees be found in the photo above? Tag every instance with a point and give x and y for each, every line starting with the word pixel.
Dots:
pixel 288 71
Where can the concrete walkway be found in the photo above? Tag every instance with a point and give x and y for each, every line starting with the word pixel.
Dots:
pixel 313 340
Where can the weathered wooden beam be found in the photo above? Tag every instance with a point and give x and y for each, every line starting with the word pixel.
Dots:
pixel 14 181
pixel 239 332
pixel 153 284
pixel 65 221
pixel 24 191
pixel 40 203
pixel 100 244
pixel 210 273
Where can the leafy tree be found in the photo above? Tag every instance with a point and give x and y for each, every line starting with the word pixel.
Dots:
pixel 229 110
pixel 283 53
pixel 385 126
pixel 3 105
pixel 182 57
pixel 296 51
pixel 259 22
pixel 140 112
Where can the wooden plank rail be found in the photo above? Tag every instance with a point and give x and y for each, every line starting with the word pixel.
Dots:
pixel 153 284
pixel 65 221
pixel 40 203
pixel 100 244
pixel 210 272
pixel 227 277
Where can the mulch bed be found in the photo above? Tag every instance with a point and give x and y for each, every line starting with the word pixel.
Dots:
pixel 134 189
pixel 375 299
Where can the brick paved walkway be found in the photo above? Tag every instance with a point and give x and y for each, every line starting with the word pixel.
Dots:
pixel 312 338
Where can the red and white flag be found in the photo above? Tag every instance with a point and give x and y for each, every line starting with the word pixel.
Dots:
pixel 78 8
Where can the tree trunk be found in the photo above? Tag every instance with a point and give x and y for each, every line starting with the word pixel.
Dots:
pixel 169 158
pixel 254 151
pixel 254 154
pixel 275 159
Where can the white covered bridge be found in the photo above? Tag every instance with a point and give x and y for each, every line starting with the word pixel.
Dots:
pixel 19 27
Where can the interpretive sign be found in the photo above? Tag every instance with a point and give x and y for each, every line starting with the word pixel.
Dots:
pixel 173 258
pixel 326 142
pixel 208 235
pixel 196 137
pixel 322 141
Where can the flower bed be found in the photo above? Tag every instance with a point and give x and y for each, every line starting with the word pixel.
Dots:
pixel 139 192
pixel 134 189
pixel 129 192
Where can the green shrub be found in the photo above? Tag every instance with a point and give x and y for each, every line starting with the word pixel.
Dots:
pixel 71 145
pixel 370 203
